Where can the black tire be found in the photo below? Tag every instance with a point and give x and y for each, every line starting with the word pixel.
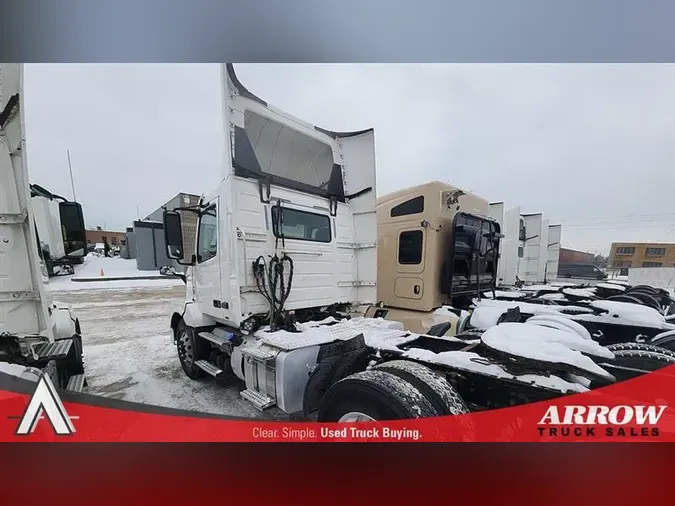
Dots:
pixel 647 299
pixel 645 361
pixel 190 350
pixel 644 289
pixel 470 334
pixel 377 394
pixel 625 298
pixel 445 399
pixel 640 347
pixel 666 341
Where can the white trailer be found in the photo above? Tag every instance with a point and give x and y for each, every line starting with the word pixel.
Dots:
pixel 36 334
pixel 554 238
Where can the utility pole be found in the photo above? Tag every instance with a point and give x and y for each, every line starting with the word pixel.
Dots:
pixel 70 168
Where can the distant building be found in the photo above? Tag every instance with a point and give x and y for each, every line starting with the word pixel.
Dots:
pixel 624 255
pixel 572 256
pixel 100 236
pixel 188 220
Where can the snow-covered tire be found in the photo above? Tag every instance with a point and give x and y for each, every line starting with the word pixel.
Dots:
pixel 643 288
pixel 190 349
pixel 647 299
pixel 445 399
pixel 640 347
pixel 470 334
pixel 378 395
pixel 646 361
pixel 625 298
pixel 561 321
pixel 664 340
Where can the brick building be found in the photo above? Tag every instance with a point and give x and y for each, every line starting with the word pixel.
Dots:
pixel 188 220
pixel 571 256
pixel 624 255
pixel 114 238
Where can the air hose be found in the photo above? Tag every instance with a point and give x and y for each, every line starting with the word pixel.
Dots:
pixel 270 279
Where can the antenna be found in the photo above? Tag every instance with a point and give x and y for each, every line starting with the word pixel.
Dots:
pixel 70 168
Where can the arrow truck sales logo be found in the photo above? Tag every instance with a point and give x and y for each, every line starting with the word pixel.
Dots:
pixel 593 421
pixel 45 401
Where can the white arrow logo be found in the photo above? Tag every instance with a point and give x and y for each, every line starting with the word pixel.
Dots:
pixel 45 400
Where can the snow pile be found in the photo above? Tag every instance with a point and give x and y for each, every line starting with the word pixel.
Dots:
pixel 625 313
pixel 472 362
pixel 545 345
pixel 505 294
pixel 528 307
pixel 540 288
pixel 611 286
pixel 553 296
pixel 561 322
pixel 579 292
pixel 112 268
pixel 485 317
pixel 560 284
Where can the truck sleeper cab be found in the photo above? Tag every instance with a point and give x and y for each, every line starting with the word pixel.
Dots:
pixel 436 247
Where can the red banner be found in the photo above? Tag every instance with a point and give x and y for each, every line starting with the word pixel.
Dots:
pixel 635 410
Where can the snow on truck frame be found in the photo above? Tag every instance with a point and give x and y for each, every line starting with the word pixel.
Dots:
pixel 287 247
pixel 36 334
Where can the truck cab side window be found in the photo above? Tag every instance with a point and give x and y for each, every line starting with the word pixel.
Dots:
pixel 410 247
pixel 207 235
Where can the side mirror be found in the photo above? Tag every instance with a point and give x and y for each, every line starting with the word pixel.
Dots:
pixel 169 270
pixel 173 235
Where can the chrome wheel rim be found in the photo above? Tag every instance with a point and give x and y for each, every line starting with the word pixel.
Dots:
pixel 355 416
pixel 185 349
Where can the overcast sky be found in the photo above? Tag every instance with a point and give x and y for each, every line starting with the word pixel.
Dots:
pixel 590 146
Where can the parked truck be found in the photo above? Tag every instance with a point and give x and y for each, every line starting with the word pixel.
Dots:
pixel 283 281
pixel 37 335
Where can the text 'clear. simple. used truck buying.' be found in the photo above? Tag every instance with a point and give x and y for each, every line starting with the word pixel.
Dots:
pixel 283 295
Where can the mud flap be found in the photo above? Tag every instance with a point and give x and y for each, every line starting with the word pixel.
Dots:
pixel 335 361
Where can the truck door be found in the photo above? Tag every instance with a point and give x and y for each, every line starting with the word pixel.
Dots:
pixel 207 266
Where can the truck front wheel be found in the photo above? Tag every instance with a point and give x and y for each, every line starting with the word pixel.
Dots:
pixel 190 350
pixel 373 396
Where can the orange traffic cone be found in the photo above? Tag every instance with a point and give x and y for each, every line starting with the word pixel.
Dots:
pixel 102 273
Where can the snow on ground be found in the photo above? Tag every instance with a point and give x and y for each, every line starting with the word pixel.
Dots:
pixel 129 352
pixel 112 267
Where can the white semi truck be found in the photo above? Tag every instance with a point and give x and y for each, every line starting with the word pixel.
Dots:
pixel 36 334
pixel 286 268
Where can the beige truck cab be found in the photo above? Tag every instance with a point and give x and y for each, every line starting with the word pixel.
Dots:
pixel 436 250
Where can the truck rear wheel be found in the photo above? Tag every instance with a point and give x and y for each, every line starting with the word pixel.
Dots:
pixel 639 362
pixel 640 347
pixel 436 389
pixel 373 395
pixel 190 350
